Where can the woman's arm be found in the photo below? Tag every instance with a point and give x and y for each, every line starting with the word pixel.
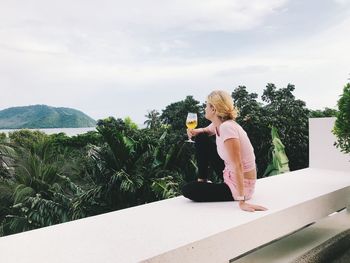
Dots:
pixel 195 132
pixel 234 150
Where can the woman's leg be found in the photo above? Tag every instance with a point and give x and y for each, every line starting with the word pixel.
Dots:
pixel 206 154
pixel 207 192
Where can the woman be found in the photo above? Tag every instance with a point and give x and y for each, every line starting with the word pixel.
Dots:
pixel 235 156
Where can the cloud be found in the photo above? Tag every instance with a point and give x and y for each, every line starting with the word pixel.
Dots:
pixel 98 55
pixel 342 2
pixel 202 15
pixel 122 28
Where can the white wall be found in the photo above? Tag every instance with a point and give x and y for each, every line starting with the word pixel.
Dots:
pixel 322 152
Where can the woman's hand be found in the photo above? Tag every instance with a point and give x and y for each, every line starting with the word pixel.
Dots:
pixel 250 207
pixel 194 132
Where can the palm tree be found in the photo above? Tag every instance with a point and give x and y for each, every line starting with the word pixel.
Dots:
pixel 153 119
pixel 132 167
pixel 41 191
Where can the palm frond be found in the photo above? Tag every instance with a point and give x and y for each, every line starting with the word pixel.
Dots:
pixel 22 192
pixel 165 187
pixel 128 183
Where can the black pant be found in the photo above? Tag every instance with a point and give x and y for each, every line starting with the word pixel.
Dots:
pixel 206 155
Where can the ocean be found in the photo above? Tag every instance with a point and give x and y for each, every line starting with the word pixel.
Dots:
pixel 67 131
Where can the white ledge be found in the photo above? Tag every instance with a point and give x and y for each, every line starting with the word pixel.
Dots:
pixel 179 230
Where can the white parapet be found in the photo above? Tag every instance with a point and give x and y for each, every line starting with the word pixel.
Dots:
pixel 179 230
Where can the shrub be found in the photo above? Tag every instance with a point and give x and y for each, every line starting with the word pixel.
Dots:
pixel 342 123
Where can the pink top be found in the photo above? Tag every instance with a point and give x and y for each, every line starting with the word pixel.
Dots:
pixel 227 130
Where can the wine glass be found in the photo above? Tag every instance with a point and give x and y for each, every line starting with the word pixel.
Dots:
pixel 191 122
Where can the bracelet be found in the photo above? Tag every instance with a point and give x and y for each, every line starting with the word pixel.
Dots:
pixel 240 198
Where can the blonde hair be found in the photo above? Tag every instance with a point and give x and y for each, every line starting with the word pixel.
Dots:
pixel 223 103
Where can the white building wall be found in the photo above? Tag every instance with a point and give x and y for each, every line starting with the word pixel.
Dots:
pixel 323 153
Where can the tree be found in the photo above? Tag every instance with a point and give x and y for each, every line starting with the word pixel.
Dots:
pixel 131 167
pixel 26 138
pixel 2 137
pixel 326 112
pixel 342 123
pixel 175 114
pixel 280 110
pixel 128 122
pixel 153 119
pixel 290 117
pixel 39 193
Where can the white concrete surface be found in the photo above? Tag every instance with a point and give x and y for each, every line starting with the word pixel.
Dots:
pixel 323 153
pixel 179 230
pixel 289 248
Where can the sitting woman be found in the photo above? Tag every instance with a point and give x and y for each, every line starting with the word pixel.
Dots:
pixel 233 157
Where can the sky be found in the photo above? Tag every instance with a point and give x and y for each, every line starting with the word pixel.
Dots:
pixel 125 58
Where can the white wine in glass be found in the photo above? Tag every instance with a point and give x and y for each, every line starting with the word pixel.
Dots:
pixel 191 122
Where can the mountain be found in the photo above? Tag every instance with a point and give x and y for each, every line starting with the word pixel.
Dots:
pixel 43 116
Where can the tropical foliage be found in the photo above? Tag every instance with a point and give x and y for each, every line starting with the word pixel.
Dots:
pixel 326 112
pixel 280 109
pixel 50 179
pixel 47 180
pixel 278 159
pixel 342 124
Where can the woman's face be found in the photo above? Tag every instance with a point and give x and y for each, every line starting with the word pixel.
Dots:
pixel 209 111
